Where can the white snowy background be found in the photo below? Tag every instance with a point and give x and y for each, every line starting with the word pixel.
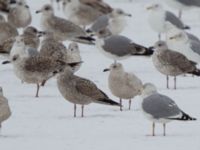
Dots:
pixel 47 123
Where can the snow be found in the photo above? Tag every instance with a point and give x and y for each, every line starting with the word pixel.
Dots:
pixel 47 122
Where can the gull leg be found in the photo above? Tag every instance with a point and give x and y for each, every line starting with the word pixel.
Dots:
pixel 153 129
pixel 180 14
pixel 175 82
pixel 159 36
pixel 167 77
pixel 74 110
pixel 164 129
pixel 82 111
pixel 120 101
pixel 129 105
pixel 37 92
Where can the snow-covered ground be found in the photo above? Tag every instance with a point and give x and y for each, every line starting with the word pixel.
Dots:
pixel 47 123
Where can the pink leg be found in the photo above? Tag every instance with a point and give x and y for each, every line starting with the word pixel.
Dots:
pixel 82 111
pixel 74 110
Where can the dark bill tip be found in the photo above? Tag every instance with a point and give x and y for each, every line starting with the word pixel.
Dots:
pixel 106 70
pixel 6 62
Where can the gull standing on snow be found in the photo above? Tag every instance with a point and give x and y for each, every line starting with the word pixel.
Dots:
pixel 80 91
pixel 158 18
pixel 122 84
pixel 20 15
pixel 63 29
pixel 7 31
pixel 119 47
pixel 182 43
pixel 73 55
pixel 183 5
pixel 171 63
pixel 115 22
pixel 5 111
pixel 159 108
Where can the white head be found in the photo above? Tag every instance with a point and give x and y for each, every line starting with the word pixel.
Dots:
pixel 73 47
pixel 19 41
pixel 155 7
pixel 46 10
pixel 115 68
pixel 148 89
pixel 161 45
pixel 119 13
pixel 1 91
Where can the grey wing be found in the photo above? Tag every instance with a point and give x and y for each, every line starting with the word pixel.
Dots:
pixel 118 45
pixel 190 2
pixel 170 17
pixel 193 37
pixel 195 46
pixel 160 106
pixel 100 23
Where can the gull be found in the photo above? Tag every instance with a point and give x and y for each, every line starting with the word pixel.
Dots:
pixel 63 29
pixel 183 5
pixel 80 91
pixel 73 55
pixel 7 30
pixel 158 18
pixel 172 63
pixel 182 43
pixel 35 69
pixel 120 47
pixel 122 84
pixel 115 22
pixel 20 15
pixel 5 111
pixel 5 5
pixel 160 108
pixel 80 13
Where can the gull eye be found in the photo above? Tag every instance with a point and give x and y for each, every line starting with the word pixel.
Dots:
pixel 47 8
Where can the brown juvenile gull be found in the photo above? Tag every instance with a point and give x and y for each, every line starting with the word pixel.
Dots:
pixel 80 91
pixel 5 111
pixel 171 63
pixel 7 31
pixel 159 108
pixel 63 29
pixel 73 55
pixel 35 69
pixel 20 15
pixel 122 84
pixel 81 13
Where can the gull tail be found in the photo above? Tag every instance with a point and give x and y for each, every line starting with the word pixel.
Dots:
pixel 85 40
pixel 184 117
pixel 195 72
pixel 141 50
pixel 107 101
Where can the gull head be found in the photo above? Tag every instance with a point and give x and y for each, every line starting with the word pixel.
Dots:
pixel 154 7
pixel 31 31
pixel 148 89
pixel 73 47
pixel 161 45
pixel 119 13
pixel 46 10
pixel 115 67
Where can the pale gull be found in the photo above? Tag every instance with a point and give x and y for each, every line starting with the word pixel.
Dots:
pixel 81 91
pixel 172 63
pixel 159 108
pixel 158 18
pixel 122 84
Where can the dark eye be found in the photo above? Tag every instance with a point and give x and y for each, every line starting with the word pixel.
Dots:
pixel 34 30
pixel 47 8
pixel 159 45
